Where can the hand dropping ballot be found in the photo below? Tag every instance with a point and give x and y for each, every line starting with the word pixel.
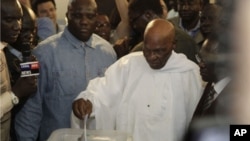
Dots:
pixel 29 69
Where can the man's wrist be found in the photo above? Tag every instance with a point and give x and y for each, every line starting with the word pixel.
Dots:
pixel 14 99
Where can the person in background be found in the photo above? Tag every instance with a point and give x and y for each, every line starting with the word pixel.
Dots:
pixel 215 111
pixel 68 61
pixel 213 115
pixel 45 28
pixel 9 9
pixel 140 17
pixel 103 27
pixel 122 29
pixel 11 20
pixel 14 57
pixel 140 13
pixel 215 69
pixel 151 94
pixel 105 6
pixel 189 18
pixel 45 25
pixel 172 8
pixel 123 34
pixel 46 8
pixel 209 19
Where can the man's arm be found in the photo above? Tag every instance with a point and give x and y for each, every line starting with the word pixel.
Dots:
pixel 6 95
pixel 102 96
pixel 6 102
pixel 123 27
pixel 27 121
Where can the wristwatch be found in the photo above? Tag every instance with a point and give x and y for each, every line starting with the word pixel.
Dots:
pixel 14 99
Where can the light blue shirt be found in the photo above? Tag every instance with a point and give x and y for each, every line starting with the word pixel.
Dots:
pixel 15 52
pixel 191 32
pixel 45 28
pixel 66 66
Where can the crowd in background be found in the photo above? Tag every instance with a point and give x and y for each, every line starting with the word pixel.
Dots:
pixel 158 69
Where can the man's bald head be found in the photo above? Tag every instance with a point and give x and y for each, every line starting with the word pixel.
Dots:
pixel 73 3
pixel 158 43
pixel 81 17
pixel 160 28
pixel 210 19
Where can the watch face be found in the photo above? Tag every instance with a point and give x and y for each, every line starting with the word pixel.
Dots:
pixel 15 100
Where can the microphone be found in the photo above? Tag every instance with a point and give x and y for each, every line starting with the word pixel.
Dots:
pixel 26 52
pixel 30 66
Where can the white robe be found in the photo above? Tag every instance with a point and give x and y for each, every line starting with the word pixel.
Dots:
pixel 151 105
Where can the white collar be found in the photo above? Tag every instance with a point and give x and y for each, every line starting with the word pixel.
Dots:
pixel 220 85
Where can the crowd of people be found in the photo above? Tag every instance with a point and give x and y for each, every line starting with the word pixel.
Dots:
pixel 154 74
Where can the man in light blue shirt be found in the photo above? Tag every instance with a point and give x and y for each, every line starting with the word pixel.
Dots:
pixel 68 61
pixel 45 28
pixel 189 18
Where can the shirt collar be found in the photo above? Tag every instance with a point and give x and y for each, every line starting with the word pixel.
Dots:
pixel 15 52
pixel 77 43
pixel 3 45
pixel 220 85
pixel 193 31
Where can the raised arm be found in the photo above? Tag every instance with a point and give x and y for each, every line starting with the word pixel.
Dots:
pixel 123 27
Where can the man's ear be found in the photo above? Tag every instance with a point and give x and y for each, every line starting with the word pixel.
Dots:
pixel 174 44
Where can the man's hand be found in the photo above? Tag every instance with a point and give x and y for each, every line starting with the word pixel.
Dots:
pixel 81 108
pixel 25 86
pixel 121 47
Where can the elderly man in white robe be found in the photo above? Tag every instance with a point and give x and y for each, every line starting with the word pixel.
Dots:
pixel 151 94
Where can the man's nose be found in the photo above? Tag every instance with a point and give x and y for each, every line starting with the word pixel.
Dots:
pixel 17 25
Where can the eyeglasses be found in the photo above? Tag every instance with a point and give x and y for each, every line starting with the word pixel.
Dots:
pixel 100 25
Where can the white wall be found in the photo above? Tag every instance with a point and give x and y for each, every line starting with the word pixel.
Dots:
pixel 61 10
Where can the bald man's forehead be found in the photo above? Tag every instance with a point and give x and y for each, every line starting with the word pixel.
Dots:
pixel 159 34
pixel 159 25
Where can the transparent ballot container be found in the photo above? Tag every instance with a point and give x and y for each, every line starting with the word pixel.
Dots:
pixel 69 134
